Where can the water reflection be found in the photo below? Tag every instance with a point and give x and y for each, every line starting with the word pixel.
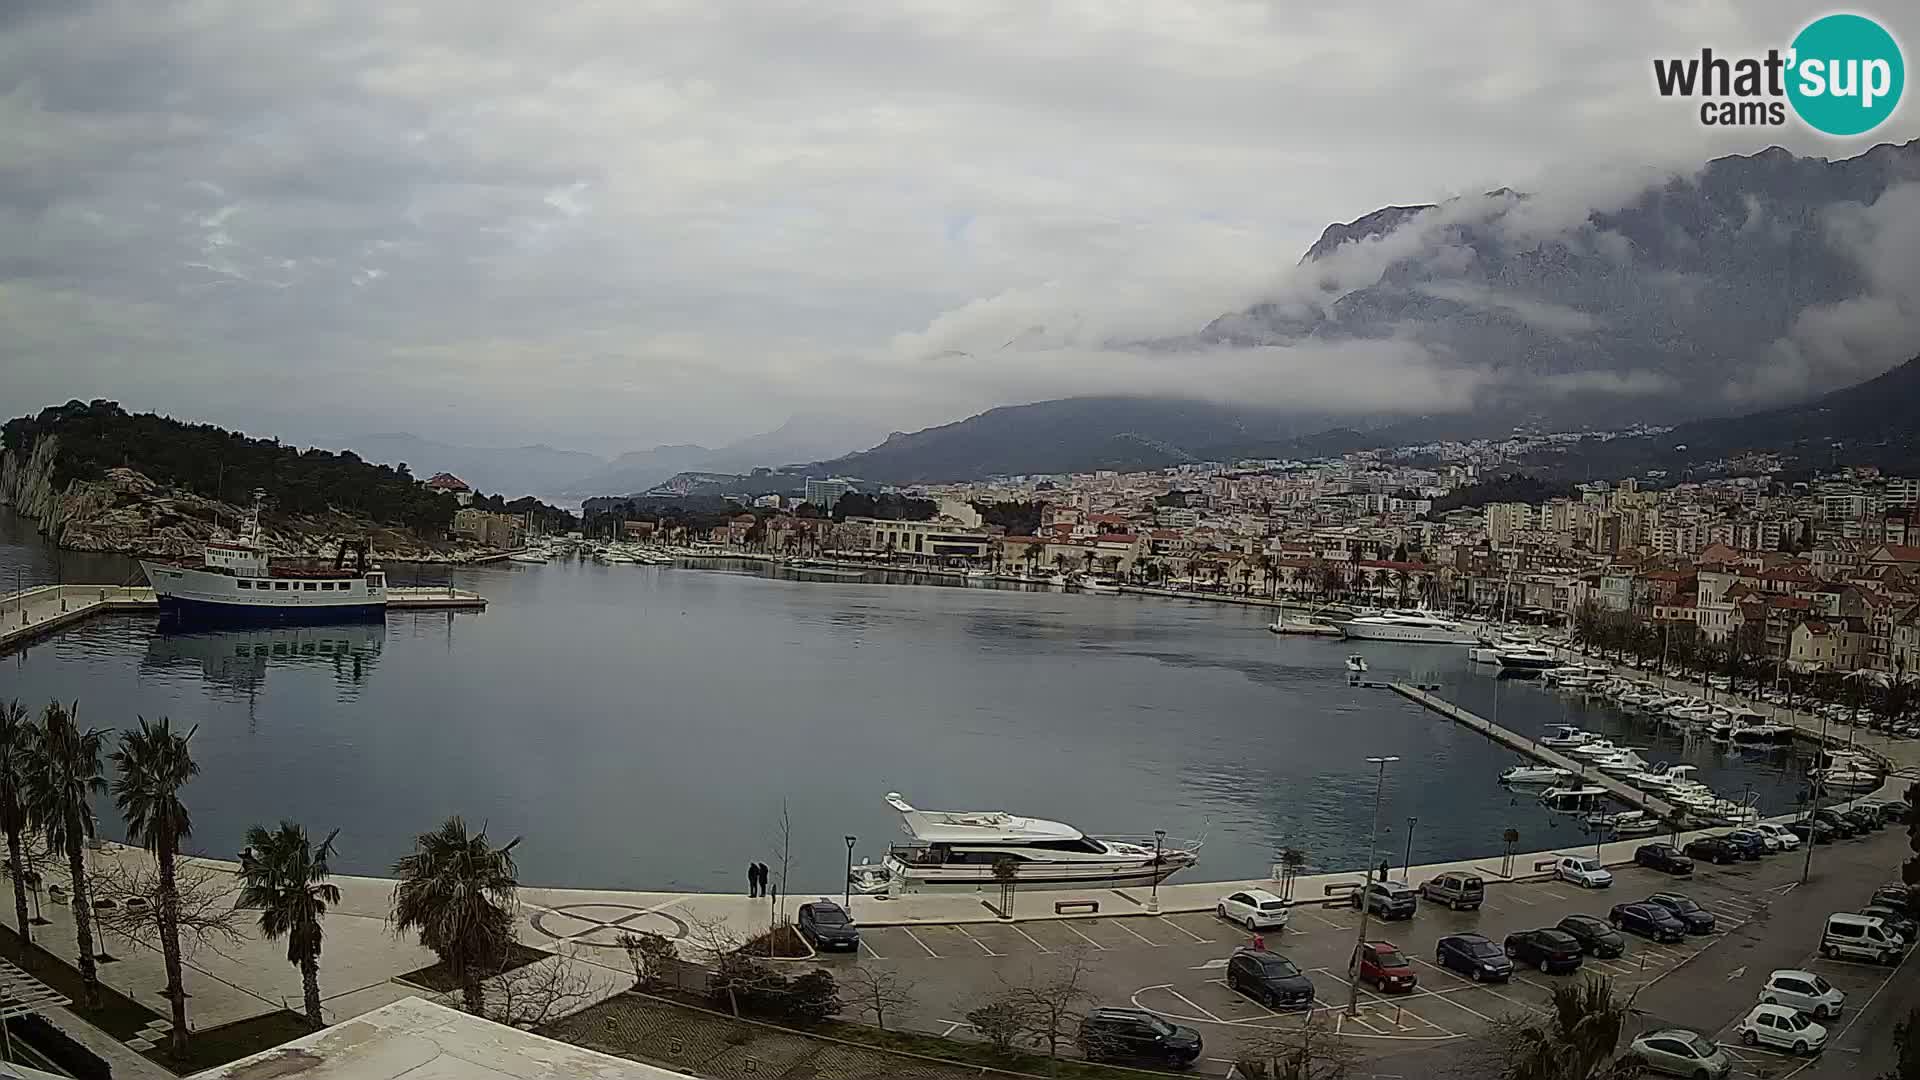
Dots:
pixel 234 662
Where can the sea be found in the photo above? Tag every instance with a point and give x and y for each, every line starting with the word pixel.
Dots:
pixel 659 728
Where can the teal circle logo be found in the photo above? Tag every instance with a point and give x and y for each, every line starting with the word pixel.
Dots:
pixel 1847 74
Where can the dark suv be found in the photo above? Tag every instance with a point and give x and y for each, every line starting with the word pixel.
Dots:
pixel 1270 979
pixel 1663 857
pixel 1474 956
pixel 1136 1035
pixel 1596 938
pixel 1548 950
pixel 1841 826
pixel 1698 920
pixel 1712 849
pixel 826 925
pixel 1748 846
pixel 1649 921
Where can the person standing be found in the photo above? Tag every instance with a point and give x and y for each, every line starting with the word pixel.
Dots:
pixel 753 879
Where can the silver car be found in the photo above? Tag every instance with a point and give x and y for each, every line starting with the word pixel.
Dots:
pixel 1679 1052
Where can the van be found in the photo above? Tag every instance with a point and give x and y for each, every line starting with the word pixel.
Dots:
pixel 1860 937
pixel 1460 892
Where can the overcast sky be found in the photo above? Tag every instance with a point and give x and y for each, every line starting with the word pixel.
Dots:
pixel 611 225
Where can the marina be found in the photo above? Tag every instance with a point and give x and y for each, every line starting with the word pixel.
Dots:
pixel 1120 714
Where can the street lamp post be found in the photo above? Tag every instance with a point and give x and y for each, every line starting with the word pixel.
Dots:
pixel 1406 865
pixel 1153 898
pixel 1813 802
pixel 846 887
pixel 1373 849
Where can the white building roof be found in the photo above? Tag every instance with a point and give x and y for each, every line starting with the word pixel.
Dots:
pixel 423 1041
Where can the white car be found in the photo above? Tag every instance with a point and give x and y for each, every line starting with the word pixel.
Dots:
pixel 1781 835
pixel 1777 1025
pixel 1586 873
pixel 1805 991
pixel 1255 909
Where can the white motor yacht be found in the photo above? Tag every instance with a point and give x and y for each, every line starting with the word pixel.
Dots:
pixel 1847 780
pixel 1526 658
pixel 1410 627
pixel 1595 750
pixel 1623 764
pixel 1570 800
pixel 959 850
pixel 1100 585
pixel 1535 774
pixel 1356 663
pixel 1762 734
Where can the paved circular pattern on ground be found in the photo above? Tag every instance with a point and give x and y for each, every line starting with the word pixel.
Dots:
pixel 602 924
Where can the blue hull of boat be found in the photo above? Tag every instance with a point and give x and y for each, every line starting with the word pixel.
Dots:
pixel 203 613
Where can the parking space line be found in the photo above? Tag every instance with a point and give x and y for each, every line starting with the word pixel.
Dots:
pixel 1325 921
pixel 1194 1005
pixel 1123 926
pixel 869 948
pixel 1450 1001
pixel 1083 937
pixel 922 944
pixel 1044 951
pixel 1344 1018
pixel 983 945
pixel 1189 933
pixel 1522 899
pixel 1557 896
pixel 1467 983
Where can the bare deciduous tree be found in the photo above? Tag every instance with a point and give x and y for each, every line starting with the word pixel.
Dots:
pixel 204 901
pixel 996 1018
pixel 1311 1051
pixel 1050 1003
pixel 878 993
pixel 539 993
pixel 734 974
pixel 651 955
pixel 783 855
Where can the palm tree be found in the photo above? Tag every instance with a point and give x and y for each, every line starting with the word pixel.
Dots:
pixel 285 877
pixel 1088 557
pixel 1292 861
pixel 154 765
pixel 1575 1041
pixel 1061 560
pixel 16 741
pixel 457 890
pixel 62 776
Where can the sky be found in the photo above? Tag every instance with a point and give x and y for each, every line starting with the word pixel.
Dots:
pixel 606 226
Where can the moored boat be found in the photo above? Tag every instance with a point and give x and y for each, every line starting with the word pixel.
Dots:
pixel 239 581
pixel 960 850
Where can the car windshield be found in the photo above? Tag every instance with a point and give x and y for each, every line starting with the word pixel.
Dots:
pixel 1158 1026
pixel 1482 948
pixel 1681 903
pixel 1821 984
pixel 1701 1047
pixel 1796 1021
pixel 829 916
pixel 1275 966
pixel 1588 865
pixel 1387 958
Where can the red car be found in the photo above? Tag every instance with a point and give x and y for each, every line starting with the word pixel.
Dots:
pixel 1382 965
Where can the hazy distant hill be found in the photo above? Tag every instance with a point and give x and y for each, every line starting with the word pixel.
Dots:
pixel 511 471
pixel 804 437
pixel 1697 296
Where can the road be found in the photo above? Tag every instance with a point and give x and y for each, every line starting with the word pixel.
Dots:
pixel 1174 964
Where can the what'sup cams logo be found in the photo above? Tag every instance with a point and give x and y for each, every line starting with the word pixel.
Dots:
pixel 1842 75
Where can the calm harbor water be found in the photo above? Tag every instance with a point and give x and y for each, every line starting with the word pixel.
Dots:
pixel 643 727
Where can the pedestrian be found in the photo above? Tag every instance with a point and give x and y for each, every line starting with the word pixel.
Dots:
pixel 763 879
pixel 753 879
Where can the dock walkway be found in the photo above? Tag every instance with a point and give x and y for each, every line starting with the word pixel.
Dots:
pixel 32 613
pixel 1513 740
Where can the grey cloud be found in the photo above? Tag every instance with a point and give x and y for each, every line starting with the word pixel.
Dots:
pixel 628 224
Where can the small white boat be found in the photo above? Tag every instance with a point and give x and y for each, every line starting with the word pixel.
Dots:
pixel 1483 654
pixel 1625 823
pixel 1100 585
pixel 1060 580
pixel 534 556
pixel 1535 774
pixel 1846 780
pixel 868 879
pixel 1595 750
pixel 1526 658
pixel 1356 663
pixel 1566 736
pixel 1569 800
pixel 1622 765
pixel 978 574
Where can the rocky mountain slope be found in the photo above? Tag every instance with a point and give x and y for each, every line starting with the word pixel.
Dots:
pixel 1759 280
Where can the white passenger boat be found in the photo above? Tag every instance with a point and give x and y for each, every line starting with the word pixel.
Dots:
pixel 239 582
pixel 959 850
pixel 1356 663
pixel 1409 627
pixel 1535 774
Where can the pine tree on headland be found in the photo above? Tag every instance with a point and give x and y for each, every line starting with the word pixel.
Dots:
pixel 287 879
pixel 62 777
pixel 154 764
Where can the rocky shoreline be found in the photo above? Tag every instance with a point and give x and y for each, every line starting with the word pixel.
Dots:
pixel 126 513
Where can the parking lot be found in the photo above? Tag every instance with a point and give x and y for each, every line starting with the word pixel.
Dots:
pixel 1175 964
